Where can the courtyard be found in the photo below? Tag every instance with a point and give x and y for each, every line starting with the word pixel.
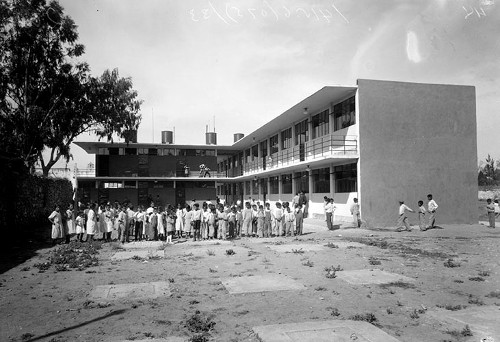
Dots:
pixel 341 285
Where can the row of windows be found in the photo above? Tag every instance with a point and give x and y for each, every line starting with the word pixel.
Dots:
pixel 345 181
pixel 154 185
pixel 121 151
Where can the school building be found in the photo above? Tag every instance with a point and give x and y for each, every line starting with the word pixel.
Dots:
pixel 378 141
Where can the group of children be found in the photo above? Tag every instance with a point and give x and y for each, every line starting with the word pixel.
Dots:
pixel 204 222
pixel 424 224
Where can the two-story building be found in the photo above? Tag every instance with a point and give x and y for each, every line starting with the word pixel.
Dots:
pixel 378 141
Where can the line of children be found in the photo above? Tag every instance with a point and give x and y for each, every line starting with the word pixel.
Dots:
pixel 424 224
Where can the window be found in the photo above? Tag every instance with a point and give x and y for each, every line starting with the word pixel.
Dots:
pixel 273 142
pixel 129 184
pixel 152 151
pixel 114 151
pixel 248 156
pixel 286 138
pixel 320 123
pixel 302 181
pixel 286 184
pixel 169 151
pixel 263 148
pixel 255 152
pixel 143 151
pixel 255 187
pixel 103 151
pixel 321 180
pixel 130 151
pixel 187 152
pixel 210 153
pixel 263 185
pixel 345 113
pixel 302 132
pixel 346 178
pixel 275 185
pixel 247 188
pixel 112 185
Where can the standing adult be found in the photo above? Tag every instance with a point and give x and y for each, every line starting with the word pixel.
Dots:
pixel 295 200
pixel 70 223
pixel 490 209
pixel 355 213
pixel 91 222
pixel 57 228
pixel 304 202
pixel 431 208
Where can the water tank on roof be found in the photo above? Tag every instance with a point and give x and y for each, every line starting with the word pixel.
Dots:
pixel 211 138
pixel 238 136
pixel 167 137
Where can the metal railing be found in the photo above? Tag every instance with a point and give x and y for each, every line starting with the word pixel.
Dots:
pixel 319 148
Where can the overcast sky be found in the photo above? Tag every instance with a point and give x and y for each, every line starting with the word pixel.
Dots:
pixel 245 62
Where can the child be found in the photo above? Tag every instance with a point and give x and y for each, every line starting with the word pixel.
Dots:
pixel 289 222
pixel 497 208
pixel 421 216
pixel 223 218
pixel 139 220
pixel 267 221
pixel 79 226
pixel 490 209
pixel 170 220
pixel 57 229
pixel 254 220
pixel 231 219
pixel 299 219
pixel 403 219
pixel 247 220
pixel 122 225
pixel 91 222
pixel 431 208
pixel 161 224
pixel 154 225
pixel 196 219
pixel 108 223
pixel 212 214
pixel 70 223
pixel 187 221
pixel 179 223
pixel 239 221
pixel 355 213
pixel 204 223
pixel 277 215
pixel 261 216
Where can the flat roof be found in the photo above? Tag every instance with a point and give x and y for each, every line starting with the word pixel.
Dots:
pixel 314 103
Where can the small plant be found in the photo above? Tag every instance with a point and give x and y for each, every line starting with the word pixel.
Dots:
pixel 308 263
pixel 367 317
pixel 136 257
pixel 200 323
pixel 320 288
pixel 230 252
pixel 335 312
pixel 171 280
pixel 331 245
pixel 210 252
pixel 62 268
pixel 466 331
pixel 298 251
pixel 452 307
pixel 458 281
pixel 43 266
pixel 26 268
pixel 451 263
pixel 494 294
pixel 414 314
pixel 199 338
pixel 278 243
pixel 265 260
pixel 476 279
pixel 389 311
pixel 193 302
pixel 398 303
pixel 463 333
pixel 475 300
pixel 331 272
pixel 484 273
pixel 27 336
pixel 211 270
pixel 399 283
pixel 374 261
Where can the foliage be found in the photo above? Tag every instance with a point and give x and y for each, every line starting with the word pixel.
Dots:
pixel 489 172
pixel 47 96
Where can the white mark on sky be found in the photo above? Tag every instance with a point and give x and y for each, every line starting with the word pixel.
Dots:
pixel 412 50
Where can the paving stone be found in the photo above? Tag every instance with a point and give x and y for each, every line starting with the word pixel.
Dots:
pixel 290 248
pixel 326 331
pixel 124 255
pixel 483 321
pixel 143 245
pixel 374 276
pixel 167 339
pixel 205 242
pixel 261 283
pixel 131 291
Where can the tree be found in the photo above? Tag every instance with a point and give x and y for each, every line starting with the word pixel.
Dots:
pixel 47 96
pixel 488 172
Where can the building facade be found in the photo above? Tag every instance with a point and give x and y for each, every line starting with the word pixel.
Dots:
pixel 378 141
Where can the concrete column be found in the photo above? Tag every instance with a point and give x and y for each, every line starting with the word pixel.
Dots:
pixel 280 187
pixel 268 183
pixel 310 127
pixel 332 181
pixel 331 123
pixel 311 184
pixel 293 136
pixel 279 141
pixel 294 184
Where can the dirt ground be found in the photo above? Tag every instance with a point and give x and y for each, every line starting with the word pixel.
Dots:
pixel 454 267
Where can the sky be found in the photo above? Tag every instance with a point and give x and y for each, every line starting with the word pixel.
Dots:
pixel 239 64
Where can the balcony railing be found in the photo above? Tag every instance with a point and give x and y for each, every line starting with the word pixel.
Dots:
pixel 319 148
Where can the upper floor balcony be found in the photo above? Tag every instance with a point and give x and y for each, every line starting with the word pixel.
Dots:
pixel 325 147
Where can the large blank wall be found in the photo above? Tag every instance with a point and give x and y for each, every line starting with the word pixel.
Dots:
pixel 417 139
